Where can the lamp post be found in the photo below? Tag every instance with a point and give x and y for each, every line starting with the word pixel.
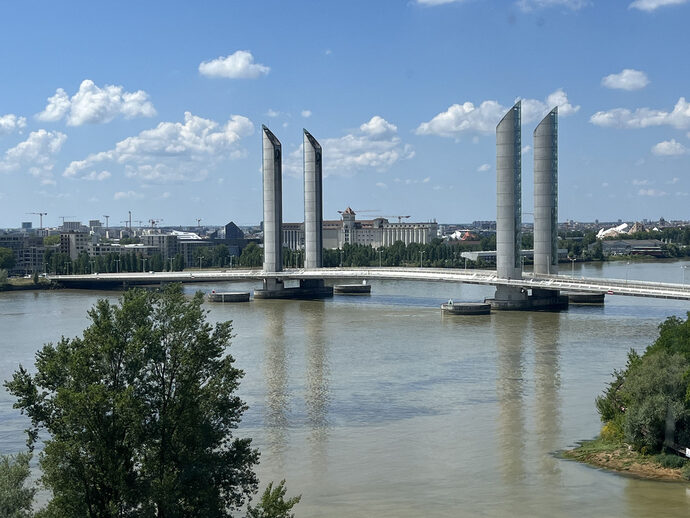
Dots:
pixel 117 266
pixel 627 269
pixel 683 268
pixel 342 252
pixel 143 264
pixel 572 266
pixel 421 258
pixel 171 263
pixel 379 252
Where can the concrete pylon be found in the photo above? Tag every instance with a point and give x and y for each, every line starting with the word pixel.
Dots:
pixel 546 194
pixel 273 201
pixel 508 195
pixel 313 203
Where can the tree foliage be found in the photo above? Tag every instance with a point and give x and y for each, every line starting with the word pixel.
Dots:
pixel 648 403
pixel 16 499
pixel 273 503
pixel 140 412
pixel 7 259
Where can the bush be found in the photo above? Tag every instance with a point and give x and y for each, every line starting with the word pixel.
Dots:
pixel 669 460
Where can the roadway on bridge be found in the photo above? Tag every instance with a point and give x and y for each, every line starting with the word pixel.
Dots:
pixel 484 277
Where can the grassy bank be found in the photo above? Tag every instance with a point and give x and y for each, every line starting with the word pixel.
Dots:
pixel 620 458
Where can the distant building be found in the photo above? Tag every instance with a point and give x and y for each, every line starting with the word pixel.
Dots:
pixel 26 225
pixel 374 232
pixel 71 226
pixel 73 243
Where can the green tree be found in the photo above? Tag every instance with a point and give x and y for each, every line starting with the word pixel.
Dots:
pixel 140 413
pixel 273 504
pixel 7 260
pixel 16 499
pixel 51 240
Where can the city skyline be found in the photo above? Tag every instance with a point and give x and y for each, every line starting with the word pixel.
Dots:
pixel 160 112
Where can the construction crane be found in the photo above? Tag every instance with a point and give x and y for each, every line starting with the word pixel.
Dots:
pixel 400 218
pixel 198 222
pixel 40 215
pixel 155 221
pixel 138 221
pixel 63 219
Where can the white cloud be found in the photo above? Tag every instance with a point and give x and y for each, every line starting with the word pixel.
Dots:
pixel 95 105
pixel 641 182
pixel 306 113
pixel 531 5
pixel 375 146
pixel 669 148
pixel 483 168
pixel 681 193
pixel 172 151
pixel 651 5
pixel 381 185
pixel 98 176
pixel 272 113
pixel 10 123
pixel 239 65
pixel 654 193
pixel 427 179
pixel 36 154
pixel 628 79
pixel 379 128
pixel 526 149
pixel 466 117
pixel 644 117
pixel 673 180
pixel 127 195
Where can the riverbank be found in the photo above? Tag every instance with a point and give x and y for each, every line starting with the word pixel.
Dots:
pixel 14 284
pixel 622 459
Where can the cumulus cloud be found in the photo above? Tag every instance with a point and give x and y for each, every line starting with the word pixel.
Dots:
pixel 97 176
pixel 468 118
pixel 10 123
pixel 652 5
pixel 375 146
pixel 272 113
pixel 127 195
pixel 36 155
pixel 679 117
pixel 654 193
pixel 669 148
pixel 306 113
pixel 172 151
pixel 628 79
pixel 531 5
pixel 483 168
pixel 381 185
pixel 239 65
pixel 379 128
pixel 95 105
pixel 641 182
pixel 526 149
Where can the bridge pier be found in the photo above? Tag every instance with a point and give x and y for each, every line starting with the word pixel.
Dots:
pixel 509 298
pixel 307 289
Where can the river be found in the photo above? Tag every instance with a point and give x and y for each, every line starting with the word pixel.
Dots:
pixel 381 406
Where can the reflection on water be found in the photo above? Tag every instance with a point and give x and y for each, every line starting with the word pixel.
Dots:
pixel 509 330
pixel 317 391
pixel 276 375
pixel 546 340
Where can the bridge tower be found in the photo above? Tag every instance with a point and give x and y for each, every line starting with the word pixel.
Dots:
pixel 313 203
pixel 273 201
pixel 546 194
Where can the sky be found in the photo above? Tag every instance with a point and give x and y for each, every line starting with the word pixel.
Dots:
pixel 156 108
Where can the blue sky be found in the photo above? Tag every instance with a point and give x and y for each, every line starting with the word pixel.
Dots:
pixel 157 107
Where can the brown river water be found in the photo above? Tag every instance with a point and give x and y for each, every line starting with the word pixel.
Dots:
pixel 380 406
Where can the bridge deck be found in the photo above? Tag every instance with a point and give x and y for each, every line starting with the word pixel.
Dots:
pixel 484 277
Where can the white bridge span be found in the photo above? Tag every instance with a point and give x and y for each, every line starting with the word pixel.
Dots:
pixel 632 288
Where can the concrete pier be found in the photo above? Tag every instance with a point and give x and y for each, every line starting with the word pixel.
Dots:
pixel 546 195
pixel 307 289
pixel 509 206
pixel 313 203
pixel 273 201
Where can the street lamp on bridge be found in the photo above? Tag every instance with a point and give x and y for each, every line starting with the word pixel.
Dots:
pixel 421 258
